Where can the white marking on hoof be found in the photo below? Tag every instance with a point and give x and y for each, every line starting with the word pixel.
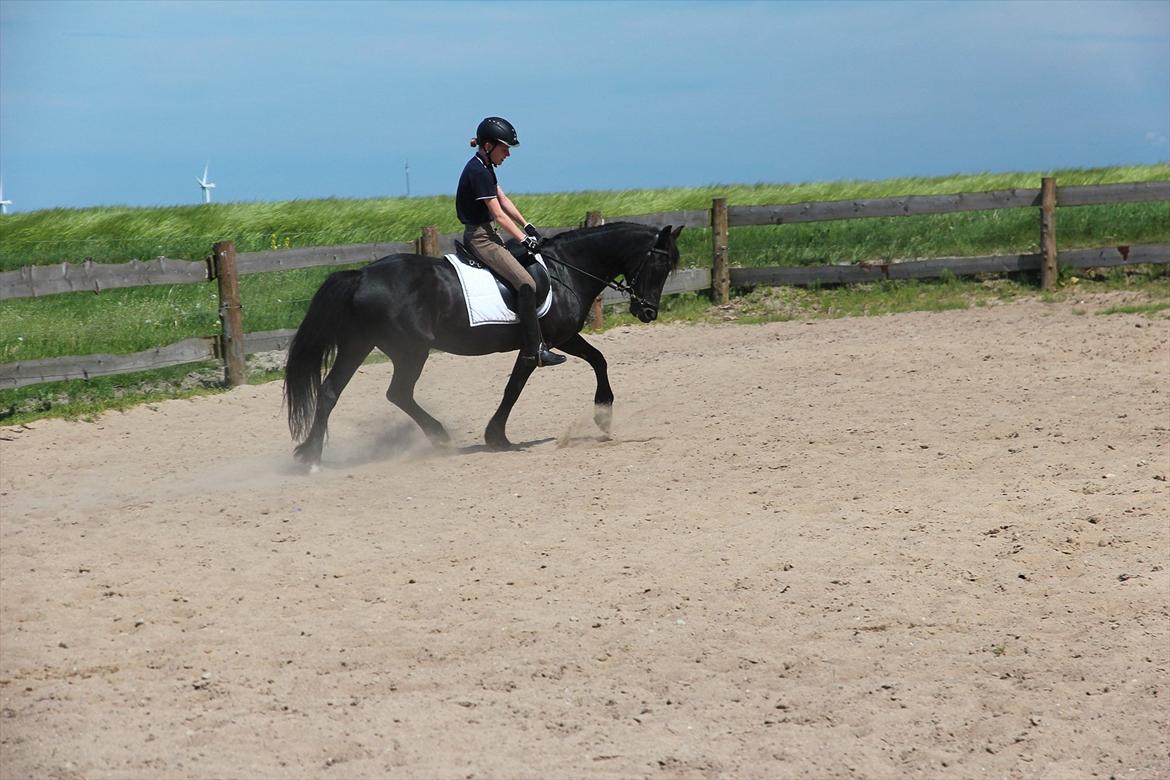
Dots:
pixel 315 468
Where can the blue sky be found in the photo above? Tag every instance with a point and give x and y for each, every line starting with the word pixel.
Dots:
pixel 105 103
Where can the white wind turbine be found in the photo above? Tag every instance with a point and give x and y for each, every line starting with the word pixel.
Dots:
pixel 4 204
pixel 205 186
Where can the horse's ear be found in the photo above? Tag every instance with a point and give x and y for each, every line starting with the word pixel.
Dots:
pixel 663 236
pixel 678 230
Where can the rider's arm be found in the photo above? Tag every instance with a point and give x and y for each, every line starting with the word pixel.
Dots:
pixel 510 207
pixel 505 214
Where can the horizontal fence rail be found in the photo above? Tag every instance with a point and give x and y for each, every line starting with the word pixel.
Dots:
pixel 680 281
pixel 910 205
pixel 33 281
pixel 94 277
pixel 936 267
pixel 32 372
pixel 1108 194
pixel 921 205
pixel 1154 254
pixel 193 350
pixel 310 257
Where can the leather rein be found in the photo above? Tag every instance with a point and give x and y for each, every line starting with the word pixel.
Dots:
pixel 621 286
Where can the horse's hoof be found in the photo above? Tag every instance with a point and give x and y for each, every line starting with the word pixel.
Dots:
pixel 496 440
pixel 603 416
pixel 315 468
pixel 495 437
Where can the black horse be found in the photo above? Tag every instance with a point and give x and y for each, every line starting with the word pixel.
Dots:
pixel 406 305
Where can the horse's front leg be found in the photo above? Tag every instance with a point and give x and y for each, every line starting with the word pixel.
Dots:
pixel 494 435
pixel 603 397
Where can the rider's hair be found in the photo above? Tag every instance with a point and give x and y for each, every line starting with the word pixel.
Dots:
pixel 475 142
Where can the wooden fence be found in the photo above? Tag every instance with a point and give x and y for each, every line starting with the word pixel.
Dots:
pixel 224 264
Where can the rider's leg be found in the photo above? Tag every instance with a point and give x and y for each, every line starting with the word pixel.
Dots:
pixel 534 349
pixel 486 245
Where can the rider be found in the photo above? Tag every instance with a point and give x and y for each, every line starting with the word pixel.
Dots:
pixel 480 200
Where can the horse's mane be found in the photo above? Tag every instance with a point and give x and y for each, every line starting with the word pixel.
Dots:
pixel 569 237
pixel 608 227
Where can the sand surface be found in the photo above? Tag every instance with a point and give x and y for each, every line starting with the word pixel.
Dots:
pixel 929 545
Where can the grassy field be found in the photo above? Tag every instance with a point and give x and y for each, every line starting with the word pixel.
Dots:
pixel 117 234
pixel 130 320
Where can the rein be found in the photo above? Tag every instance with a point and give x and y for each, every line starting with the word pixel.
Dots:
pixel 621 286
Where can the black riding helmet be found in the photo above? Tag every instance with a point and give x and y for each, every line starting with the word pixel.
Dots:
pixel 498 129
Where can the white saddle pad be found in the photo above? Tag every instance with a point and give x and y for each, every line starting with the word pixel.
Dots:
pixel 485 305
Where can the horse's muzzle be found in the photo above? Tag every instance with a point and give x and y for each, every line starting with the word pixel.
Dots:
pixel 642 312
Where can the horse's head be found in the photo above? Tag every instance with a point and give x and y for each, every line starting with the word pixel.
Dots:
pixel 646 274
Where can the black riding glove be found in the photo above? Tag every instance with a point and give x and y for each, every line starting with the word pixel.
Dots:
pixel 531 230
pixel 531 243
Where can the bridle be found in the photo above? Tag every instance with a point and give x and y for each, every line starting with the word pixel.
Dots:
pixel 621 287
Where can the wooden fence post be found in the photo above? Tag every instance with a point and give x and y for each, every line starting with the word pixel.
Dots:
pixel 231 316
pixel 1048 269
pixel 596 314
pixel 428 242
pixel 720 273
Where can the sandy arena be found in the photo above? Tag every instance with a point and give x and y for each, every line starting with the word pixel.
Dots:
pixel 929 545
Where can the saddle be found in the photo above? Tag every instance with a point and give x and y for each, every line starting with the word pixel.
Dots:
pixel 524 257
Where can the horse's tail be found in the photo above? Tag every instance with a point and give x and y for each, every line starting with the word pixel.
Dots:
pixel 314 346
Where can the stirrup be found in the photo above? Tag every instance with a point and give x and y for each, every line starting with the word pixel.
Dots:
pixel 544 357
pixel 549 358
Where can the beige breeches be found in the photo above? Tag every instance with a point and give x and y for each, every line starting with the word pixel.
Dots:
pixel 487 246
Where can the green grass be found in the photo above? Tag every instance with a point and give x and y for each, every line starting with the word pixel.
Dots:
pixel 131 320
pixel 1150 310
pixel 117 234
pixel 83 399
pixel 139 318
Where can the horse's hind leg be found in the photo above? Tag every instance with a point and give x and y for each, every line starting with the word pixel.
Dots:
pixel 603 397
pixel 349 358
pixel 408 367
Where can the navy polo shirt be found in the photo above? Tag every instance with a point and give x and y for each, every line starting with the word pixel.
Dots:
pixel 476 184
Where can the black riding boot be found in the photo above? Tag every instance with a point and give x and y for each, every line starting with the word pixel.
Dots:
pixel 533 349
